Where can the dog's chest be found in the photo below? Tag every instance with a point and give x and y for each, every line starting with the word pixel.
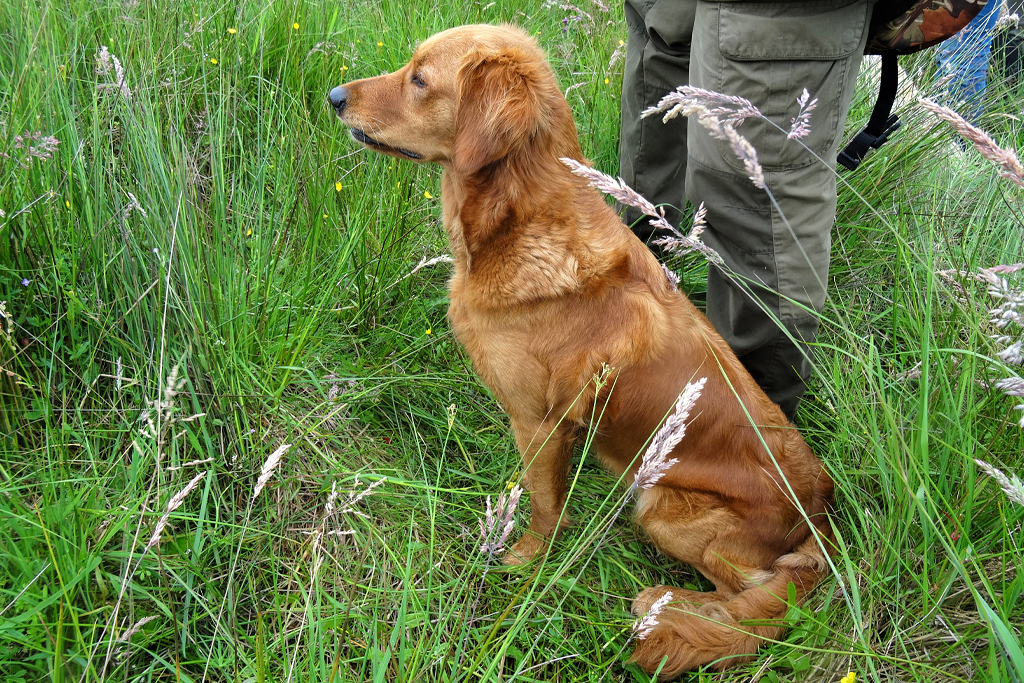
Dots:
pixel 499 346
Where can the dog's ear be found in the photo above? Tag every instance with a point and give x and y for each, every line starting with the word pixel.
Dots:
pixel 498 107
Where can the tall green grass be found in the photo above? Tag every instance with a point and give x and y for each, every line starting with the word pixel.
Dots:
pixel 292 312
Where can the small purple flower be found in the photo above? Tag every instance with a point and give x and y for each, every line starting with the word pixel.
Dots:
pixel 25 282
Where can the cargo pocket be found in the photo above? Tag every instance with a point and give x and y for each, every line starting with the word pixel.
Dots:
pixel 669 26
pixel 770 52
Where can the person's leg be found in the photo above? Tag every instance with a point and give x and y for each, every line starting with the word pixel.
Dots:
pixel 964 60
pixel 768 53
pixel 1009 44
pixel 652 154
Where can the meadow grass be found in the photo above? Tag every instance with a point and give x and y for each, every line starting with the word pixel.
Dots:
pixel 205 218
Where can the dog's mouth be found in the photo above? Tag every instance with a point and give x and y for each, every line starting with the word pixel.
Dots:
pixel 360 136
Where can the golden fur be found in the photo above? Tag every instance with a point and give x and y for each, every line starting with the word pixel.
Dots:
pixel 549 285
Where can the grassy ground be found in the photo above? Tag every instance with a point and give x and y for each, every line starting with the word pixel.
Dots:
pixel 205 218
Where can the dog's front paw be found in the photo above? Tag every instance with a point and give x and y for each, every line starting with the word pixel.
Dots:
pixel 647 597
pixel 682 598
pixel 525 549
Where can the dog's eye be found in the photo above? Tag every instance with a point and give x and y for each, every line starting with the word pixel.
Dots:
pixel 418 81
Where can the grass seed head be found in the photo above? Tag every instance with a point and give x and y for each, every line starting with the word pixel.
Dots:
pixel 654 463
pixel 173 504
pixel 136 627
pixel 643 626
pixel 1005 159
pixel 271 463
pixel 1012 486
pixel 502 517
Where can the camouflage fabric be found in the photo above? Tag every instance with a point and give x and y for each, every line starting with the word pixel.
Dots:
pixel 925 23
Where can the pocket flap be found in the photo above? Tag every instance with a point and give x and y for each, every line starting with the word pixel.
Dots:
pixel 801 30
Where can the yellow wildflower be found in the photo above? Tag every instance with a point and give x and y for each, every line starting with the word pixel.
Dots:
pixel 295 26
pixel 248 233
pixel 428 330
pixel 232 31
pixel 380 44
pixel 213 61
pixel 621 43
pixel 606 81
pixel 428 195
pixel 849 678
pixel 344 68
pixel 337 186
pixel 67 203
pixel 325 215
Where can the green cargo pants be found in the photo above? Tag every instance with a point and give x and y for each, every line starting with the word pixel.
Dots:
pixel 767 53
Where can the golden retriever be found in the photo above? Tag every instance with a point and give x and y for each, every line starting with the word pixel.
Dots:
pixel 549 287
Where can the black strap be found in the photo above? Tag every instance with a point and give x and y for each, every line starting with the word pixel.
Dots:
pixel 882 122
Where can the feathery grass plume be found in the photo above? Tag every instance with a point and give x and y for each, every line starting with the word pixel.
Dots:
pixel 318 535
pixel 159 416
pixel 654 463
pixel 1011 355
pixel 6 325
pixel 173 504
pixel 801 123
pixel 501 518
pixel 330 509
pixel 617 189
pixel 617 56
pixel 1013 386
pixel 107 64
pixel 1006 159
pixel 720 114
pixel 1006 21
pixel 329 506
pixel 160 412
pixel 348 507
pixel 686 99
pixel 1007 315
pixel 643 626
pixel 1012 486
pixel 190 463
pixel 620 191
pixel 271 463
pixel 133 205
pixel 673 279
pixel 746 153
pixel 35 146
pixel 684 244
pixel 426 263
pixel 1011 310
pixel 136 627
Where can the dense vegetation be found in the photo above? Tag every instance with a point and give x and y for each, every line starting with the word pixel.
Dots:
pixel 202 267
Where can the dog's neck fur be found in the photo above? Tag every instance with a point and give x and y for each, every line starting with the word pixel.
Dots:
pixel 511 242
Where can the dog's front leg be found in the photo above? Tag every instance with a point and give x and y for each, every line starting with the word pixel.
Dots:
pixel 546 448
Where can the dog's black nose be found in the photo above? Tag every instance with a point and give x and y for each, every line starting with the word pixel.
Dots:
pixel 339 98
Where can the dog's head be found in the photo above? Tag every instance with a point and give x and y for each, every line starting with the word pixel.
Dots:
pixel 470 96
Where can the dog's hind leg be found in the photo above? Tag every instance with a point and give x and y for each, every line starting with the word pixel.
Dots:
pixel 725 627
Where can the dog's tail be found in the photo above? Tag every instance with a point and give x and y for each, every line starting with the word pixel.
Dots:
pixel 707 628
